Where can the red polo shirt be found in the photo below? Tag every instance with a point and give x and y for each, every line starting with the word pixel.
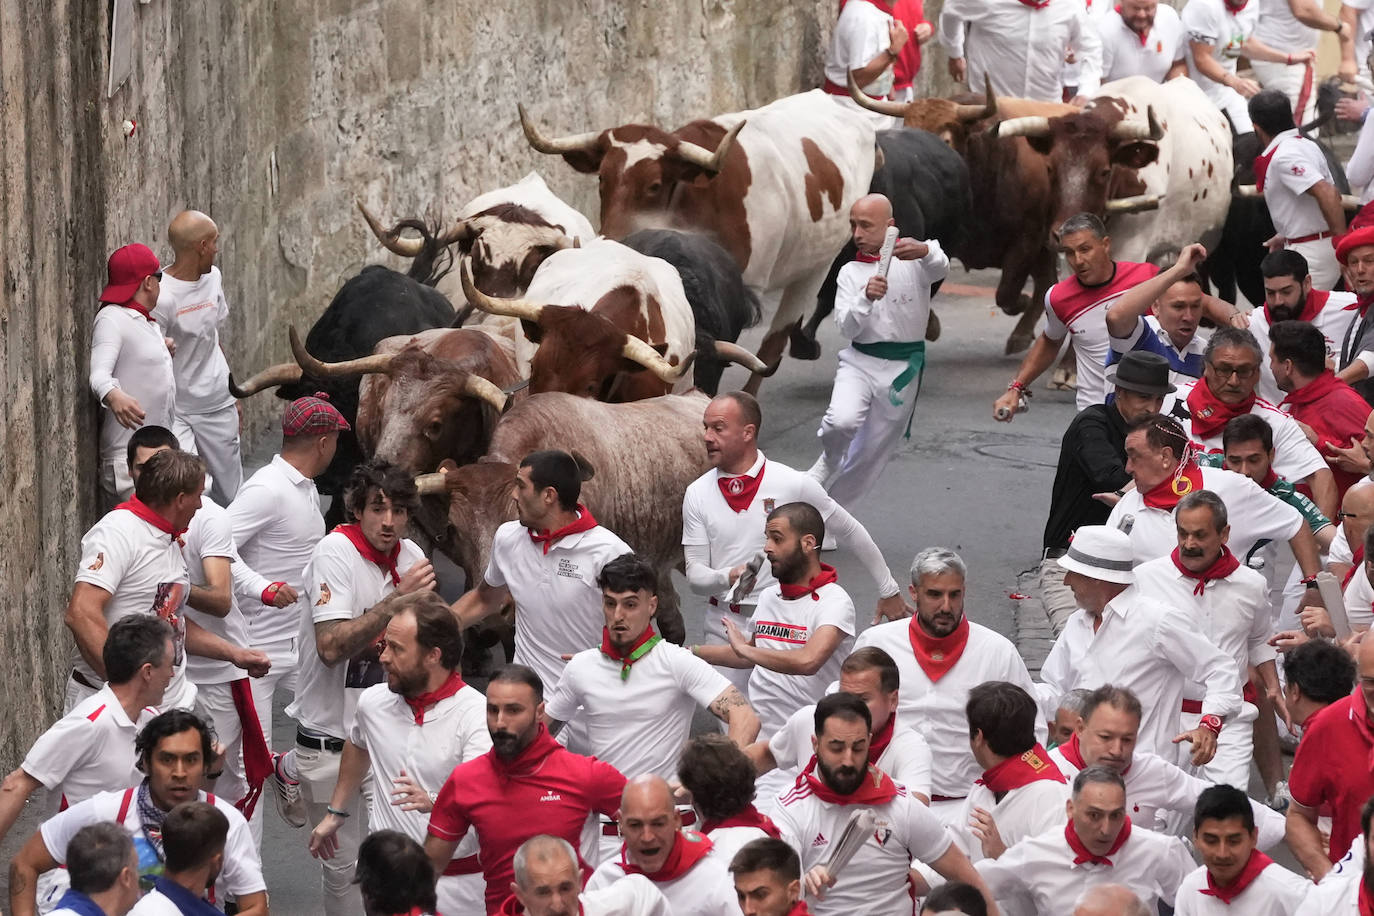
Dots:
pixel 1334 768
pixel 909 13
pixel 1336 412
pixel 546 789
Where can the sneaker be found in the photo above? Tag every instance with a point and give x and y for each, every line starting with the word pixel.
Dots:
pixel 287 794
pixel 1279 802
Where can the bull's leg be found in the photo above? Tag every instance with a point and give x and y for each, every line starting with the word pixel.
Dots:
pixel 669 614
pixel 1042 270
pixel 792 305
pixel 770 351
pixel 1065 376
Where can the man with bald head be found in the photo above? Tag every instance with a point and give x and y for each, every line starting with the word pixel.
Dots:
pixel 882 306
pixel 190 310
pixel 548 882
pixel 680 863
pixel 1110 900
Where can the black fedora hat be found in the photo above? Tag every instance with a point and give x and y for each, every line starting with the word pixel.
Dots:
pixel 1141 372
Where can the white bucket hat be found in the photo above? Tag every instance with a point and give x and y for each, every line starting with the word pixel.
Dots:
pixel 1100 552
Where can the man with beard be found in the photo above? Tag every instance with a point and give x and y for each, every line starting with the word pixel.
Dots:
pixel 1142 38
pixel 1289 296
pixel 194 837
pixel 525 785
pixel 1353 894
pixel 548 882
pixel 812 818
pixel 767 874
pixel 802 628
pixel 942 655
pixel 409 733
pixel 1355 252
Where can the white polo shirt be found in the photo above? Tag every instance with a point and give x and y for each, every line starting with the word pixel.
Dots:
pixel 936 708
pixel 1295 165
pixel 211 534
pixel 787 626
pixel 906 758
pixel 1254 514
pixel 1333 320
pixel 1125 53
pixel 1275 892
pixel 1211 21
pixel 128 352
pixel 1024 812
pixel 557 601
pixel 1141 645
pixel 277 523
pixel 1295 457
pixel 88 751
pixel 632 895
pixel 706 889
pixel 1040 870
pixel 143 570
pixel 875 880
pixel 637 724
pixel 860 33
pixel 191 314
pixel 341 585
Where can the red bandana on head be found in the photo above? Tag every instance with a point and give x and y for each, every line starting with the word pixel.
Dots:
pixel 937 654
pixel 145 512
pixel 1223 567
pixel 824 577
pixel 739 491
pixel 749 817
pixel 1083 854
pixel 1014 772
pixel 448 688
pixel 583 522
pixel 877 787
pixel 689 848
pixel 1166 494
pixel 387 561
pixel 1257 863
pixel 1210 413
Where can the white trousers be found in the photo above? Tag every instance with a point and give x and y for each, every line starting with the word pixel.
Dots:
pixel 282 676
pixel 862 428
pixel 715 636
pixel 1236 108
pixel 116 485
pixel 1235 749
pixel 215 438
pixel 1288 80
pixel 1321 262
pixel 319 771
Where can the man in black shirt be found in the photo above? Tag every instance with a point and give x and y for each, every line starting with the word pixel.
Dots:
pixel 1092 459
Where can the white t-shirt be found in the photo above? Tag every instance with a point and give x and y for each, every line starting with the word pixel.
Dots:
pixel 557 601
pixel 1296 164
pixel 1275 892
pixel 277 523
pixel 787 626
pixel 155 903
pixel 211 534
pixel 1333 321
pixel 902 313
pixel 706 889
pixel 88 751
pixel 1212 22
pixel 1022 813
pixel 875 880
pixel 632 895
pixel 1125 54
pixel 143 570
pixel 191 314
pixel 730 840
pixel 341 585
pixel 860 33
pixel 906 758
pixel 1281 30
pixel 128 352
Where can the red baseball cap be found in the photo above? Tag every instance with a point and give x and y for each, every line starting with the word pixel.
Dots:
pixel 312 414
pixel 1358 238
pixel 127 268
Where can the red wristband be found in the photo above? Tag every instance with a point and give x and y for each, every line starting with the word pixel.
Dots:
pixel 269 594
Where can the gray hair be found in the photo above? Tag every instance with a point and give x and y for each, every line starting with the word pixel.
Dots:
pixel 1076 700
pixel 1204 498
pixel 1097 774
pixel 540 847
pixel 1116 899
pixel 1232 337
pixel 935 561
pixel 1081 221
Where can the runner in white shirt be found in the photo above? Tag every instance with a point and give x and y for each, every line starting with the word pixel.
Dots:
pixel 548 882
pixel 719 777
pixel 1020 46
pixel 546 563
pixel 943 655
pixel 724 513
pixel 1098 845
pixel 102 862
pixel 866 43
pixel 813 815
pixel 767 876
pixel 1289 296
pixel 1293 26
pixel 131 368
pixel 1357 17
pixel 1142 38
pixel 195 838
pixel 1235 876
pixel 879 376
pixel 1220 31
pixel 802 628
pixel 407 736
pixel 359 576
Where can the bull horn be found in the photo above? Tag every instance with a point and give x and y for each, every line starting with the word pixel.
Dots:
pixel 734 353
pixel 640 352
pixel 1136 204
pixel 881 106
pixel 432 484
pixel 1034 126
pixel 474 386
pixel 706 161
pixel 510 308
pixel 377 362
pixel 978 112
pixel 567 241
pixel 461 231
pixel 391 238
pixel 1130 130
pixel 574 143
pixel 271 377
pixel 1247 190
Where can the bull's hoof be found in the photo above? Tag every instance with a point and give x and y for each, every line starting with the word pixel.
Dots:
pixel 1017 342
pixel 1015 307
pixel 933 327
pixel 803 346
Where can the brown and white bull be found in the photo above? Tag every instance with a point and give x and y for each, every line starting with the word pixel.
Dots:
pixel 772 185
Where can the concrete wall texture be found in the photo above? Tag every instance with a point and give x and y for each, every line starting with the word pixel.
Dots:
pixel 273 116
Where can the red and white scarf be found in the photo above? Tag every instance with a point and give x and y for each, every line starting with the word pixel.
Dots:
pixel 1210 414
pixel 1257 863
pixel 739 491
pixel 1083 854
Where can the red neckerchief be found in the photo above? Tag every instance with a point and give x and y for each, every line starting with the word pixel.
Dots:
pixel 799 909
pixel 739 491
pixel 1262 160
pixel 1210 413
pixel 448 688
pixel 1270 478
pixel 1225 564
pixel 1166 494
pixel 881 739
pixel 1015 772
pixel 386 561
pixel 1035 4
pixel 1365 900
pixel 936 655
pixel 145 512
pixel 1257 863
pixel 877 787
pixel 1314 390
pixel 824 577
pixel 1315 302
pixel 689 848
pixel 867 258
pixel 1073 753
pixel 1081 852
pixel 1356 561
pixel 1236 7
pixel 642 647
pixel 528 760
pixel 749 817
pixel 133 307
pixel 511 906
pixel 583 522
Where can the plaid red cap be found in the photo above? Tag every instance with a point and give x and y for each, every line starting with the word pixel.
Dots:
pixel 312 414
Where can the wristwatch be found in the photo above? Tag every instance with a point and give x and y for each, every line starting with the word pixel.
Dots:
pixel 1211 722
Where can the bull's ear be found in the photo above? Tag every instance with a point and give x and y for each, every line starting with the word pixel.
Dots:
pixel 1136 154
pixel 586 161
pixel 1041 145
pixel 533 332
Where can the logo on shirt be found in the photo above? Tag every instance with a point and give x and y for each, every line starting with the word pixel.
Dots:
pixel 769 505
pixel 99 561
pixel 1298 170
pixel 551 797
pixel 735 485
pixel 882 834
pixel 568 569
pixel 325 594
pixel 820 840
pixel 782 632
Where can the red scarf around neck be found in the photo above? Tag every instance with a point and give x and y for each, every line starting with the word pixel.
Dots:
pixel 799 909
pixel 1015 772
pixel 824 577
pixel 1315 390
pixel 1210 413
pixel 1365 901
pixel 135 307
pixel 1356 562
pixel 863 258
pixel 749 817
pixel 1236 7
pixel 936 655
pixel 151 516
pixel 1083 854
pixel 583 522
pixel 448 688
pixel 689 848
pixel 739 491
pixel 386 561
pixel 642 647
pixel 1270 478
pixel 1166 494
pixel 1314 303
pixel 1223 567
pixel 881 739
pixel 528 760
pixel 1257 863
pixel 1073 753
pixel 877 787
pixel 1035 4
pixel 1143 38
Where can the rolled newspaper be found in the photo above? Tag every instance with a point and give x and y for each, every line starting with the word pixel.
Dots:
pixel 745 583
pixel 885 253
pixel 862 822
pixel 1330 590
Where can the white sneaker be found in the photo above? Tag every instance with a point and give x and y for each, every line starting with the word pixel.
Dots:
pixel 287 795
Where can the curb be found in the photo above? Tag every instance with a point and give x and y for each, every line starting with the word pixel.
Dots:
pixel 1034 637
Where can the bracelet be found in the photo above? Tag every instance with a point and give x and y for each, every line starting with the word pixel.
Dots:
pixel 1309 581
pixel 335 811
pixel 269 594
pixel 1016 385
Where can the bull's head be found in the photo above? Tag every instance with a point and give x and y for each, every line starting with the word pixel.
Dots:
pixel 639 166
pixel 481 497
pixel 948 120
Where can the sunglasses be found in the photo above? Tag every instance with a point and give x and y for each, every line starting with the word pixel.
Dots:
pixel 156 275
